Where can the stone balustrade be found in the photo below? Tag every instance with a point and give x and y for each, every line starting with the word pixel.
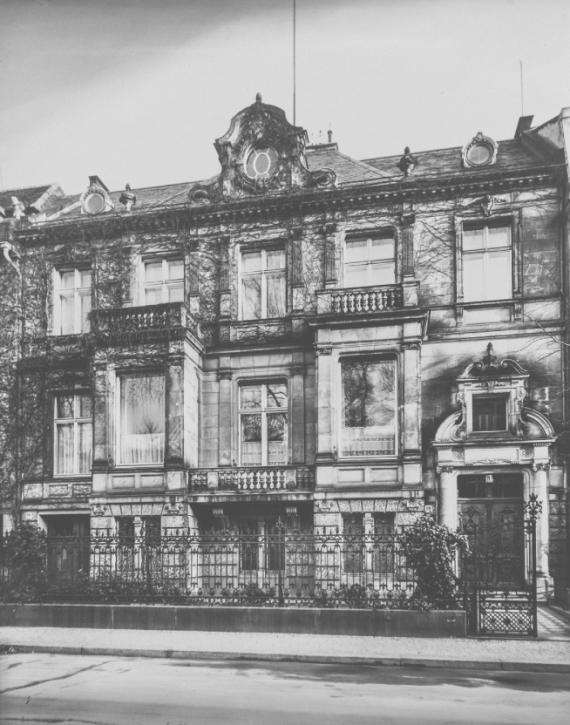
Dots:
pixel 251 479
pixel 360 300
pixel 136 319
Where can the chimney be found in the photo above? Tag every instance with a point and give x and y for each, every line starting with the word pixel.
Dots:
pixel 523 125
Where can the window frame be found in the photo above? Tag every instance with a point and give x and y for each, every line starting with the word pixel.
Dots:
pixel 369 236
pixel 76 293
pixel 393 359
pixel 75 422
pixel 164 284
pixel 462 224
pixel 119 378
pixel 504 397
pixel 264 411
pixel 264 272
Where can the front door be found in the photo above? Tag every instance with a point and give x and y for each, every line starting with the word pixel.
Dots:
pixel 68 548
pixel 491 515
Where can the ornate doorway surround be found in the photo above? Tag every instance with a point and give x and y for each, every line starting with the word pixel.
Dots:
pixel 494 434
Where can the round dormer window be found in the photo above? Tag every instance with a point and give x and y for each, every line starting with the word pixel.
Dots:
pixel 480 151
pixel 94 203
pixel 261 163
pixel 479 154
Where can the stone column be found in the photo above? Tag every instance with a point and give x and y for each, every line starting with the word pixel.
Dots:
pixel 411 421
pixel 297 413
pixel 448 498
pixel 174 448
pixel 225 417
pixel 328 229
pixel 407 220
pixel 325 405
pixel 539 487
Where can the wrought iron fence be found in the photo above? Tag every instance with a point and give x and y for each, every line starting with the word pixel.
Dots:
pixel 275 567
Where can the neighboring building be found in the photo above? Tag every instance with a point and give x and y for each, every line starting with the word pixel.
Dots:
pixel 305 337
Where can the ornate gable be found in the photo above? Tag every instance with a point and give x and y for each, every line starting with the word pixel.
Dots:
pixel 260 154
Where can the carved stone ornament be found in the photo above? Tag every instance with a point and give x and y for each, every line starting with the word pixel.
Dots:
pixel 95 199
pixel 261 153
pixel 408 162
pixel 506 378
pixel 480 151
pixel 98 510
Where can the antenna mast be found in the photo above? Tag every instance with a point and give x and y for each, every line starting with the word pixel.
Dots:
pixel 522 88
pixel 294 62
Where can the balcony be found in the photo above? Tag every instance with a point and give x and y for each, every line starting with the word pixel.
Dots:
pixel 362 300
pixel 126 324
pixel 252 479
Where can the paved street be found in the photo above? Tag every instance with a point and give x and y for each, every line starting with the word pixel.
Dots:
pixel 106 690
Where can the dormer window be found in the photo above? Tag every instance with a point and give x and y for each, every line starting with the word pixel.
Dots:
pixel 489 413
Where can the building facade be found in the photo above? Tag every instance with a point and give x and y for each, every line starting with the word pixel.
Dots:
pixel 305 338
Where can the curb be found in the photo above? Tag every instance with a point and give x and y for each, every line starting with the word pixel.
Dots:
pixel 316 659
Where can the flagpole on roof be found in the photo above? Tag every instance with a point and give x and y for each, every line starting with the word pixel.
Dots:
pixel 294 62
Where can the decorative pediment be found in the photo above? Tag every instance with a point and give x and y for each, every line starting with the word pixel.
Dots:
pixel 261 153
pixel 491 394
pixel 490 367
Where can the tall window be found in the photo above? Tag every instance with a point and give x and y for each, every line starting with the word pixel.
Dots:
pixel 263 424
pixel 354 542
pixel 263 276
pixel 369 407
pixel 73 417
pixel 163 281
pixel 261 545
pixel 487 262
pixel 72 301
pixel 142 418
pixel 369 261
pixel 489 412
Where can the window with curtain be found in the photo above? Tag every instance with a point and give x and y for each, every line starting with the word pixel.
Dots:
pixel 73 424
pixel 163 281
pixel 72 301
pixel 142 419
pixel 368 426
pixel 263 410
pixel 369 261
pixel 487 262
pixel 263 284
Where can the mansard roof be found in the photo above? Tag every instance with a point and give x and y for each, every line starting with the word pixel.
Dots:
pixel 513 155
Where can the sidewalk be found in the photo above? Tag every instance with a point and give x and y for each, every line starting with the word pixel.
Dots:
pixel 543 655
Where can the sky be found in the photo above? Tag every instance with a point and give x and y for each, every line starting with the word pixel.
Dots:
pixel 137 90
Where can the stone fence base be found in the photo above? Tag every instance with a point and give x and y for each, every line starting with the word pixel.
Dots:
pixel 376 623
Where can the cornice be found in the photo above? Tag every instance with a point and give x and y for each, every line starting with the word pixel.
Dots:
pixel 182 217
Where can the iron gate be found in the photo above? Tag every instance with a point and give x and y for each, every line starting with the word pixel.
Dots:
pixel 498 574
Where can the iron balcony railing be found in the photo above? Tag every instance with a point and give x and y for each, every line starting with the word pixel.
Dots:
pixel 360 300
pixel 252 479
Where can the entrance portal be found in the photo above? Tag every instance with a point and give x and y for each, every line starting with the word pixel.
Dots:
pixel 491 515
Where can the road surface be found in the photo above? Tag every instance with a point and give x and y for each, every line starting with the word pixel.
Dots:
pixel 99 690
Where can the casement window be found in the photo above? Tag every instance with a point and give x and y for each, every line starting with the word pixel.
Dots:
pixel 368 414
pixel 263 284
pixel 73 431
pixel 378 541
pixel 72 301
pixel 489 413
pixel 261 546
pixel 141 419
pixel 487 262
pixel 354 542
pixel 264 415
pixel 139 556
pixel 163 281
pixel 369 261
